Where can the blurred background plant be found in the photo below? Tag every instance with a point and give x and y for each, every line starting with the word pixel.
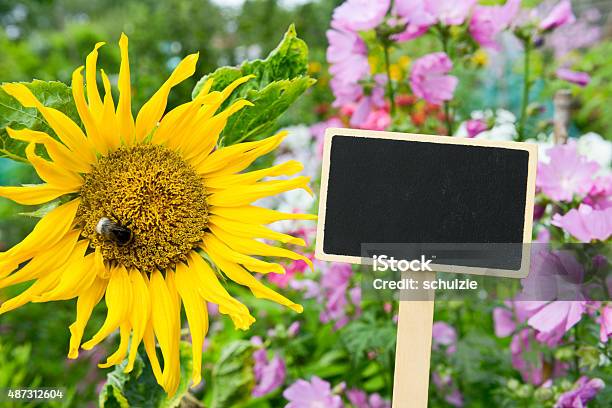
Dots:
pixel 486 70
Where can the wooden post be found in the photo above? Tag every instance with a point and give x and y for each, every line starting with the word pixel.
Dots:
pixel 563 103
pixel 413 349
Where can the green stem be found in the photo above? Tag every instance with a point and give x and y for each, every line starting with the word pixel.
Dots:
pixel 448 119
pixel 9 155
pixel 390 90
pixel 526 88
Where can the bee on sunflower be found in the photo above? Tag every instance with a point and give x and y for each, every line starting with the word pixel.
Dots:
pixel 152 212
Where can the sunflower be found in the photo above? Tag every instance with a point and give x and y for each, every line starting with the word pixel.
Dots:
pixel 152 213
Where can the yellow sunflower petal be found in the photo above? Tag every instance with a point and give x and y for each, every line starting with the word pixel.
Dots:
pixel 174 371
pixel 235 158
pixel 164 317
pixel 93 96
pixel 118 356
pixel 139 315
pixel 124 107
pixel 257 215
pixel 253 264
pixel 246 194
pixel 109 122
pixel 151 350
pixel 52 173
pixel 87 300
pixel 200 141
pixel 39 286
pixel 44 261
pixel 118 299
pixel 253 231
pixel 241 276
pixel 48 232
pixel 59 153
pixel 154 108
pixel 68 131
pixel 253 247
pixel 78 93
pixel 77 273
pixel 211 289
pixel 221 182
pixel 197 317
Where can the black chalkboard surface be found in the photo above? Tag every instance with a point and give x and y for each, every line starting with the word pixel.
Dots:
pixel 382 187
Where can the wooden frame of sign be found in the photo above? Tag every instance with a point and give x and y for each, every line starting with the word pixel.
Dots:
pixel 416 317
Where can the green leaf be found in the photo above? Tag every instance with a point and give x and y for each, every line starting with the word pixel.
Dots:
pixel 12 114
pixel 279 80
pixel 140 389
pixel 232 376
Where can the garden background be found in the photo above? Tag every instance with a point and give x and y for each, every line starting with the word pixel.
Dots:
pixel 490 70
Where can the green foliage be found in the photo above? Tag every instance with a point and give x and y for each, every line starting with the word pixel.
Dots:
pixel 140 389
pixel 232 375
pixel 12 114
pixel 279 80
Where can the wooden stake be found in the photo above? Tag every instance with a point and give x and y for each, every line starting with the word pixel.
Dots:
pixel 413 349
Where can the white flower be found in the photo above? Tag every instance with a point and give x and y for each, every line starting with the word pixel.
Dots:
pixel 597 149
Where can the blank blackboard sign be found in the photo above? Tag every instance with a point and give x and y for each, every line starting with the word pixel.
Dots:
pixel 384 187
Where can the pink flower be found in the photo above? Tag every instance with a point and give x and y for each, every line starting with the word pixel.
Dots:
pixel 269 375
pixel 360 399
pixel 488 21
pixel 444 334
pixel 530 364
pixel 428 78
pixel 368 103
pixel 294 268
pixel 318 131
pixel 555 319
pixel 377 119
pixel 450 12
pixel 600 195
pixel 566 174
pixel 503 322
pixel 348 56
pixel 585 223
pixel 475 126
pixel 416 17
pixel 560 15
pixel 360 15
pixel 446 387
pixel 575 77
pixel 293 329
pixel 316 393
pixel 584 391
pixel 605 323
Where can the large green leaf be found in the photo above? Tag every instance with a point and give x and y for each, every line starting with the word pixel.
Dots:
pixel 279 80
pixel 140 389
pixel 12 114
pixel 232 377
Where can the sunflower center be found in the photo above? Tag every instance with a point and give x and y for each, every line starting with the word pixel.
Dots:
pixel 144 207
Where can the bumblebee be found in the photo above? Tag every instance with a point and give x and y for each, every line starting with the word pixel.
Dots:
pixel 114 232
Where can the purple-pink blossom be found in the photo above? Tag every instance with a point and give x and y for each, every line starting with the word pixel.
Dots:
pixel 269 375
pixel 605 323
pixel 450 12
pixel 584 391
pixel 429 79
pixel 566 174
pixel 600 195
pixel 532 368
pixel 443 334
pixel 560 15
pixel 475 126
pixel 348 56
pixel 444 384
pixel 313 393
pixel 369 103
pixel 555 319
pixel 575 77
pixel 488 21
pixel 360 399
pixel 415 15
pixel 586 223
pixel 360 15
